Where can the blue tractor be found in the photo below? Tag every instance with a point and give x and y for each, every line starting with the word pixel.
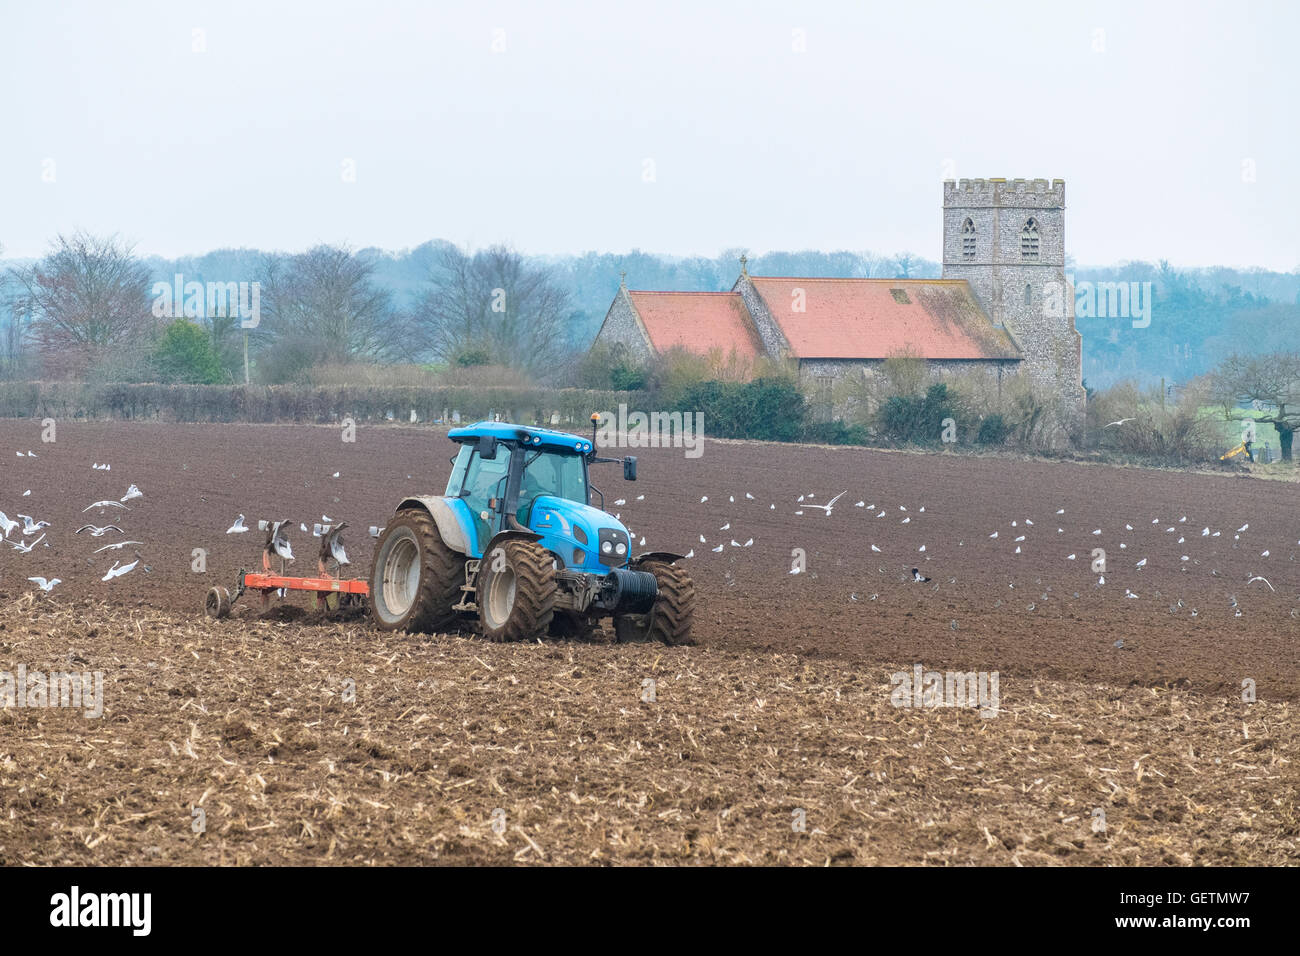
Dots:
pixel 516 541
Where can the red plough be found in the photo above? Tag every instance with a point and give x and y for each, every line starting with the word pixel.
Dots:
pixel 328 590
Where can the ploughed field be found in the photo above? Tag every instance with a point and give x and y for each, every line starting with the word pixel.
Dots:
pixel 774 739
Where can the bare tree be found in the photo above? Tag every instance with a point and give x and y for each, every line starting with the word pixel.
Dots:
pixel 322 305
pixel 905 262
pixel 494 306
pixel 13 338
pixel 88 296
pixel 1270 383
pixel 13 331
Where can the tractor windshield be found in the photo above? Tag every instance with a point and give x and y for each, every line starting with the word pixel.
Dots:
pixel 551 473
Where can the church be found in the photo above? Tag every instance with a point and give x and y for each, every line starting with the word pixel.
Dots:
pixel 1002 307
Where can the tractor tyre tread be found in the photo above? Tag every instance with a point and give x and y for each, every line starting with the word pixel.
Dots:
pixel 673 613
pixel 442 573
pixel 534 607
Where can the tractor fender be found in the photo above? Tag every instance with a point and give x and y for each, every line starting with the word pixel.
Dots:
pixel 444 516
pixel 510 534
pixel 668 556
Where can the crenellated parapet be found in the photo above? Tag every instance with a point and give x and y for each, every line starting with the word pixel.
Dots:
pixel 1026 193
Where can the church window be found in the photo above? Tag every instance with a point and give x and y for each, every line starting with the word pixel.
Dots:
pixel 1029 239
pixel 968 239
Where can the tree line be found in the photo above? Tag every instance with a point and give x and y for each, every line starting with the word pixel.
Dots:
pixel 91 310
pixel 86 309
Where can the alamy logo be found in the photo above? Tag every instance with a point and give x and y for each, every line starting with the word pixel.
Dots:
pixel 922 688
pixel 74 689
pixel 103 909
pixel 655 430
pixel 1100 300
pixel 208 300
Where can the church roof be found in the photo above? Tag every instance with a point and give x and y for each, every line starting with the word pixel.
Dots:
pixel 698 321
pixel 876 318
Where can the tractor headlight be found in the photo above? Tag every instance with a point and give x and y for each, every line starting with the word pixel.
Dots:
pixel 614 546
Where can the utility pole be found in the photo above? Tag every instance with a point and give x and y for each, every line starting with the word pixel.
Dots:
pixel 245 356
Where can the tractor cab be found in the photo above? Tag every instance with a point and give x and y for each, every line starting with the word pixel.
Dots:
pixel 514 478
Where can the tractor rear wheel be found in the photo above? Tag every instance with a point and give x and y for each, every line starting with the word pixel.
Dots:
pixel 415 578
pixel 673 612
pixel 516 592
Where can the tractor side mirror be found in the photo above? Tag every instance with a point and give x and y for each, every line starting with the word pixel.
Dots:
pixel 487 447
pixel 629 468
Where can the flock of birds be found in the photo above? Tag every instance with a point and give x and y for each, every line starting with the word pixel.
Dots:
pixel 1184 548
pixel 26 527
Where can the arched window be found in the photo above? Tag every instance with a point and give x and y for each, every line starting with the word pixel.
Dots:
pixel 1029 295
pixel 1029 239
pixel 968 239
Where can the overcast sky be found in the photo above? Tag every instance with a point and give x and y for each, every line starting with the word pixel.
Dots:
pixel 673 128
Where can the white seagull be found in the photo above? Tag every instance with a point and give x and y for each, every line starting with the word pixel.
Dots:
pixel 105 504
pixel 116 571
pixel 132 492
pixel 830 504
pixel 280 540
pixel 96 532
pixel 30 526
pixel 43 584
pixel 238 527
pixel 24 547
pixel 114 547
pixel 7 523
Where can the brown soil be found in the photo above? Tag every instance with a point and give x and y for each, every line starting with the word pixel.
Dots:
pixel 783 705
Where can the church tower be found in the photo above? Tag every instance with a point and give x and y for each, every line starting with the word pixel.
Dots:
pixel 1007 239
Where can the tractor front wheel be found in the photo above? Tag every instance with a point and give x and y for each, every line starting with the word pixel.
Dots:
pixel 673 612
pixel 516 592
pixel 415 578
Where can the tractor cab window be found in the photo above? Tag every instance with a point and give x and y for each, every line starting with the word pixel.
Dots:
pixel 550 473
pixel 457 480
pixel 484 480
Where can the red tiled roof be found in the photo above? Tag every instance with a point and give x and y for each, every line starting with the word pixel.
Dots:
pixel 698 321
pixel 875 318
